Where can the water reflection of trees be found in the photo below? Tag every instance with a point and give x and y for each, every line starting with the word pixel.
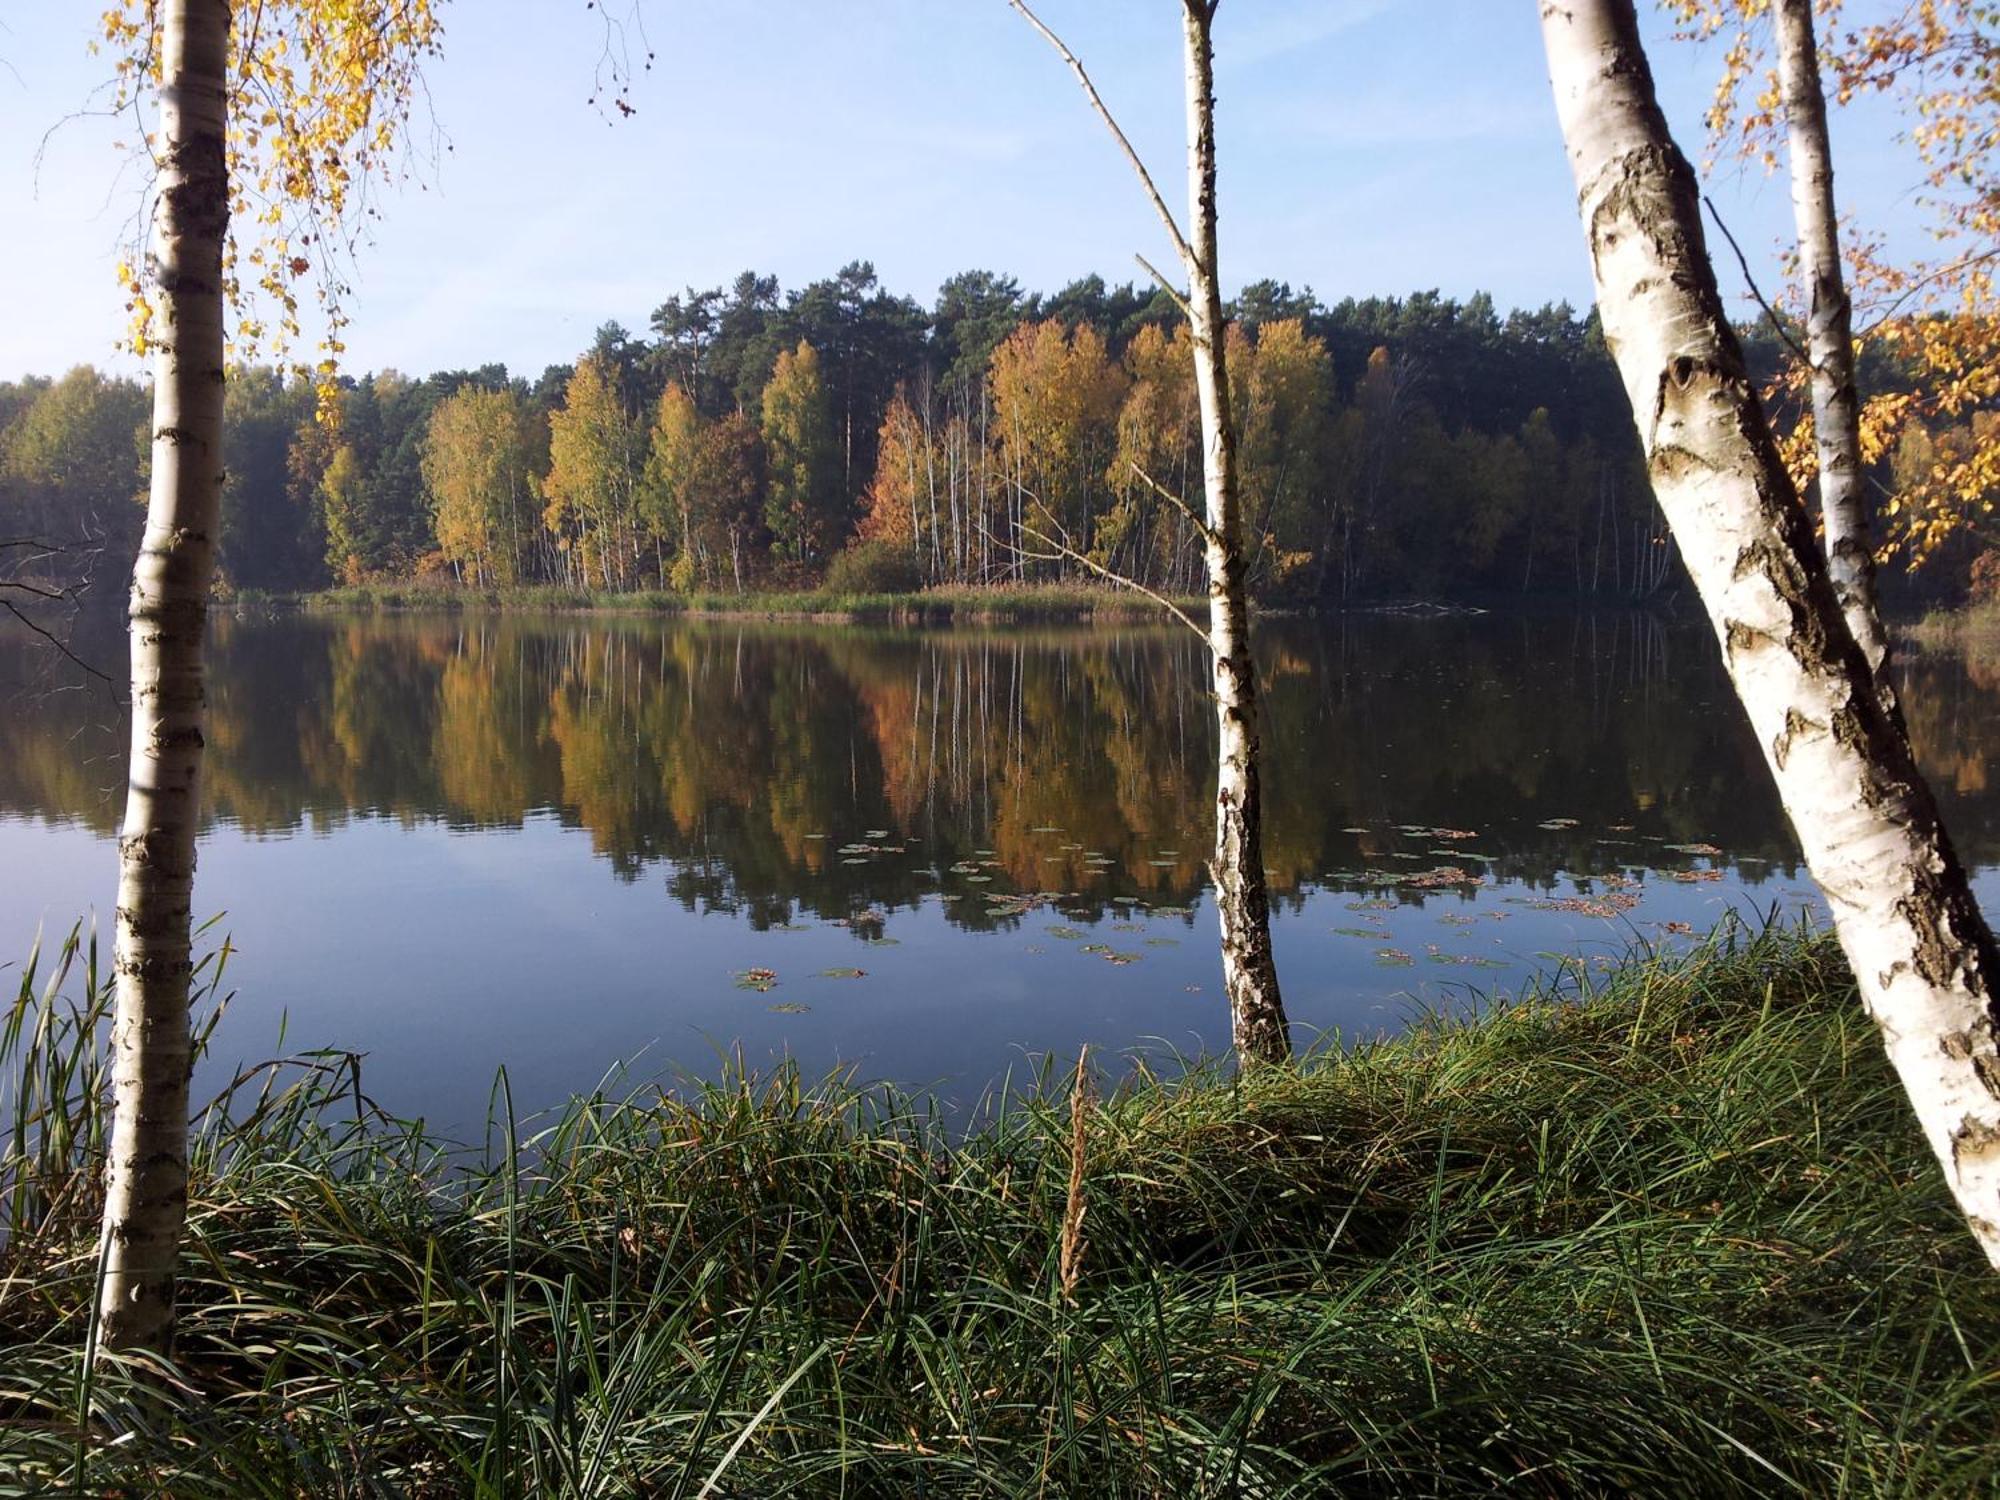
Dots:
pixel 743 759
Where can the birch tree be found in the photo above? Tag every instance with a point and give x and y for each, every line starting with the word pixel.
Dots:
pixel 281 130
pixel 1242 902
pixel 146 1173
pixel 1836 401
pixel 1921 952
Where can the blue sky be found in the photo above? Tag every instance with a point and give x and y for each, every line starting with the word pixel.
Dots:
pixel 1368 146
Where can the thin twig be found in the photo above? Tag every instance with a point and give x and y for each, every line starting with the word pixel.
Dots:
pixel 1751 282
pixel 1201 526
pixel 1166 286
pixel 1066 553
pixel 61 646
pixel 1097 103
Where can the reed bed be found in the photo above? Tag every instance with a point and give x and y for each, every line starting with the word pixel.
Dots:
pixel 938 606
pixel 1665 1232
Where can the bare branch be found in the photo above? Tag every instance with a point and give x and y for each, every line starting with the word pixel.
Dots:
pixel 1097 103
pixel 1166 286
pixel 1201 526
pixel 1751 282
pixel 1063 552
pixel 61 646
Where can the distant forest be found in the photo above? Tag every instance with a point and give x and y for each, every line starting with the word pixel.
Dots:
pixel 1415 447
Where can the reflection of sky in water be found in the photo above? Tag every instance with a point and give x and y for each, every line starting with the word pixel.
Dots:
pixel 444 949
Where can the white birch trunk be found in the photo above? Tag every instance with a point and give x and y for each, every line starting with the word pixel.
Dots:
pixel 1242 903
pixel 1922 954
pixel 1829 331
pixel 146 1175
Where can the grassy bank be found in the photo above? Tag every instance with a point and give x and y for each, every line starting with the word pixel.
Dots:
pixel 932 606
pixel 1673 1234
pixel 1974 623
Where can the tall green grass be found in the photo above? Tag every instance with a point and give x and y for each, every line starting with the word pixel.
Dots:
pixel 1668 1233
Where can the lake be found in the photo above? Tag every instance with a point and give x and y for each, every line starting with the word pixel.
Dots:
pixel 454 842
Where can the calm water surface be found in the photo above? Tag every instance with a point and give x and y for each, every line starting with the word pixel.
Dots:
pixel 454 843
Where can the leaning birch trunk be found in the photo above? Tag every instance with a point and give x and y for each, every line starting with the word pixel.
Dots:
pixel 1921 952
pixel 1829 332
pixel 1242 902
pixel 146 1175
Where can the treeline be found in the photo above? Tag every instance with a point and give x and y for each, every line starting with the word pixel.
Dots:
pixel 842 434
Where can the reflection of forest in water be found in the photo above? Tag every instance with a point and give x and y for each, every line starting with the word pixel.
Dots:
pixel 779 769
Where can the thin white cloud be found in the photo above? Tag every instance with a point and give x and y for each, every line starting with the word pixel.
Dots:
pixel 1271 36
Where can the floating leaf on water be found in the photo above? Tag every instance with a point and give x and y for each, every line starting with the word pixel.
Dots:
pixel 1174 852
pixel 789 1008
pixel 1690 877
pixel 1128 927
pixel 855 860
pixel 1163 864
pixel 982 851
pixel 980 879
pixel 843 973
pixel 1355 830
pixel 1095 948
pixel 1163 942
pixel 815 835
pixel 1192 989
pixel 1123 958
pixel 1398 854
pixel 883 942
pixel 756 979
pixel 1046 828
pixel 1172 911
pixel 1558 823
pixel 1706 849
pixel 789 927
pixel 1372 904
pixel 1374 933
pixel 1393 958
pixel 878 833
pixel 1067 934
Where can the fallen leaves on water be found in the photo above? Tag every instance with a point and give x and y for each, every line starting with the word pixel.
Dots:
pixel 843 973
pixel 756 979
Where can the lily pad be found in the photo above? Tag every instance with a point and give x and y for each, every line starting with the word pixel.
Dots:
pixel 760 980
pixel 843 973
pixel 1067 934
pixel 789 1008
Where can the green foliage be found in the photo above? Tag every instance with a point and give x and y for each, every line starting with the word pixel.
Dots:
pixel 1389 448
pixel 873 568
pixel 1672 1235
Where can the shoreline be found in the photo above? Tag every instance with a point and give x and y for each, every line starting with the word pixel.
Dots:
pixel 1415 1266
